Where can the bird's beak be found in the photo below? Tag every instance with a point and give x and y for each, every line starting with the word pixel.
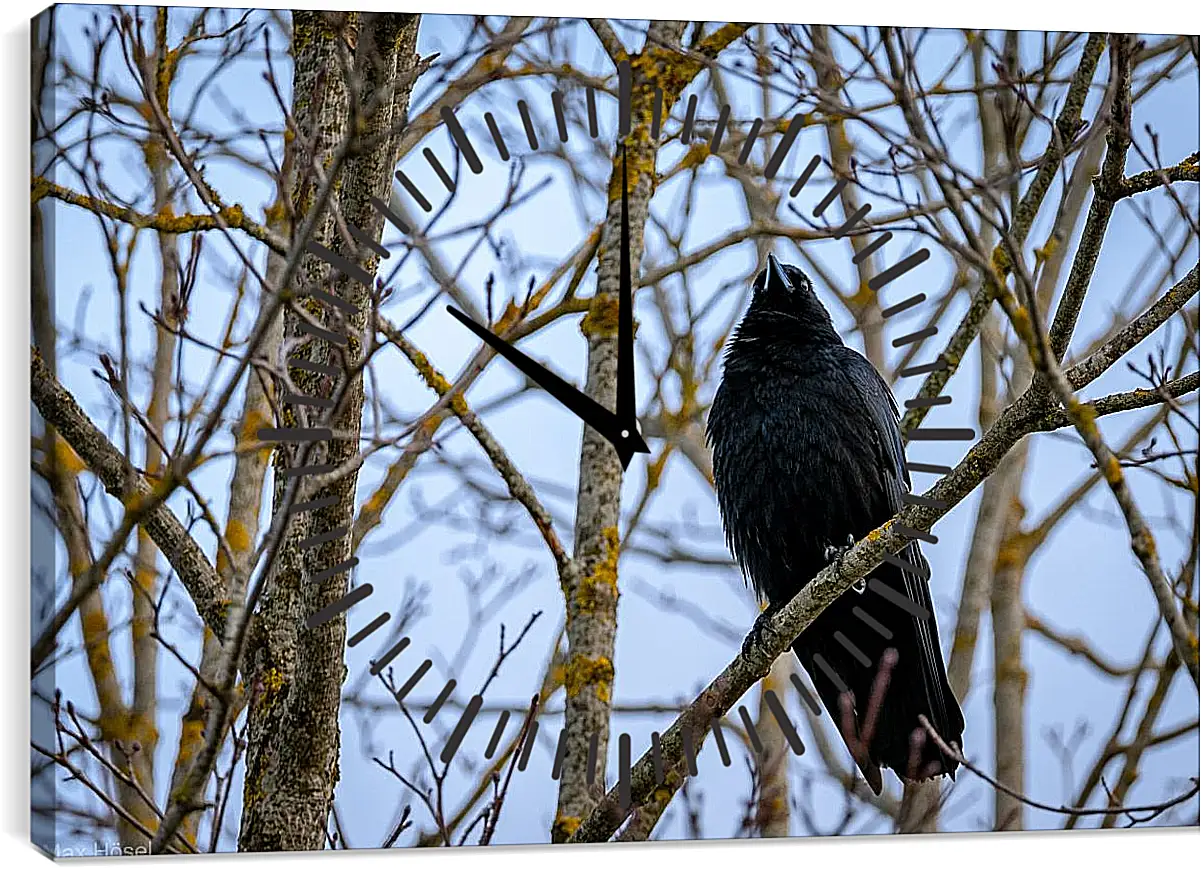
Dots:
pixel 775 274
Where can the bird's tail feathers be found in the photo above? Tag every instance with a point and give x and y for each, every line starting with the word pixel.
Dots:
pixel 907 679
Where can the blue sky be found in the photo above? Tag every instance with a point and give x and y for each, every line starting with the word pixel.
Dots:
pixel 1084 580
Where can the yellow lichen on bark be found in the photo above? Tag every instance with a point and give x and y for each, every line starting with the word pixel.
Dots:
pixel 94 623
pixel 249 432
pixel 862 295
pixel 601 319
pixel 1047 251
pixel 600 584
pixel 238 538
pixel 564 827
pixel 271 682
pixel 1000 261
pixel 436 381
pixel 306 27
pixel 190 736
pixel 373 508
pixel 582 672
pixel 697 152
pixel 558 675
pixel 654 470
pixel 38 189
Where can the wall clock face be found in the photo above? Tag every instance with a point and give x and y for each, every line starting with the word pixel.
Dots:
pixel 610 425
pixel 904 595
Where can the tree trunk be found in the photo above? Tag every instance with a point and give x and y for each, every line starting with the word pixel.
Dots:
pixel 1009 683
pixel 592 603
pixel 297 672
pixel 773 812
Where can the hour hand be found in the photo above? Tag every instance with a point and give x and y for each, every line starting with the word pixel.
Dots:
pixel 625 437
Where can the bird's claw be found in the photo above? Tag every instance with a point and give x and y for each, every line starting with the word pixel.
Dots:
pixel 759 629
pixel 834 556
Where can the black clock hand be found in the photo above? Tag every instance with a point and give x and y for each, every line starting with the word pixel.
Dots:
pixel 631 434
pixel 585 407
pixel 625 315
pixel 620 429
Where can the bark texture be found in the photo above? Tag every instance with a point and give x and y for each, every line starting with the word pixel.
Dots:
pixel 592 592
pixel 297 672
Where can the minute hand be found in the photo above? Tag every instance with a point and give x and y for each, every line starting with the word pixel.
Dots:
pixel 631 437
pixel 592 412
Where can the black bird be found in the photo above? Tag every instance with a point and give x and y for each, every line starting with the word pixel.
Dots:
pixel 807 458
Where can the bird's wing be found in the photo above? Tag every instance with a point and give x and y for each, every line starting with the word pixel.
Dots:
pixel 877 398
pixel 881 407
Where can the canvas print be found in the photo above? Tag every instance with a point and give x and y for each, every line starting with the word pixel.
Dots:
pixel 463 430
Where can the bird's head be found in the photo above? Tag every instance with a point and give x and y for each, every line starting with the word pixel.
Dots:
pixel 784 303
